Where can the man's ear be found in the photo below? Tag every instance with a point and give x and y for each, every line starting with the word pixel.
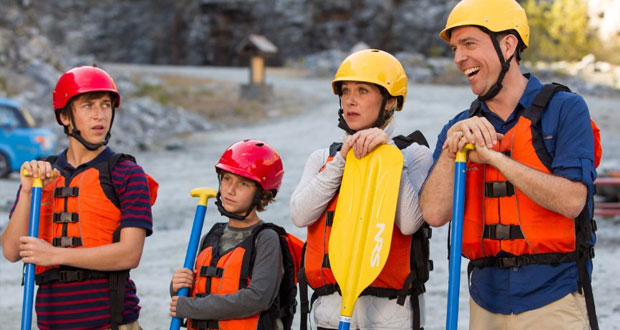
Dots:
pixel 509 45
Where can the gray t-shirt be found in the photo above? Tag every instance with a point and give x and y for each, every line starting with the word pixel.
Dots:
pixel 258 296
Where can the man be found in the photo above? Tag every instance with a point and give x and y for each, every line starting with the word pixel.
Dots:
pixel 527 224
pixel 95 215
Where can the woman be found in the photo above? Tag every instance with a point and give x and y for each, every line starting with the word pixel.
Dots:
pixel 371 85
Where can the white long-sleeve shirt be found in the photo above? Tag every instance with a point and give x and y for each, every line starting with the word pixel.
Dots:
pixel 308 202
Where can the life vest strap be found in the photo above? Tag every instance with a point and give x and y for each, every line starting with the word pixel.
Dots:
pixel 64 275
pixel 502 232
pixel 498 189
pixel 524 260
pixel 65 217
pixel 66 241
pixel 63 192
pixel 211 271
pixel 329 218
pixel 325 263
pixel 204 324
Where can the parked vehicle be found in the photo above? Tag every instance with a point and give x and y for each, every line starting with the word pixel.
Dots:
pixel 20 141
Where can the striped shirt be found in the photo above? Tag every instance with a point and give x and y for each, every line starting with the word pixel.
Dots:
pixel 86 304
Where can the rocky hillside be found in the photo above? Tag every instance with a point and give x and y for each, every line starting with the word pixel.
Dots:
pixel 31 62
pixel 41 39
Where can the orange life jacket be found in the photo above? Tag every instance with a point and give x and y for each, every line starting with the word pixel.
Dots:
pixel 406 269
pixel 231 272
pixel 504 228
pixel 84 211
pixel 499 219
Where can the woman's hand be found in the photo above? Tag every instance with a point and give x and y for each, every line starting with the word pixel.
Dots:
pixel 364 141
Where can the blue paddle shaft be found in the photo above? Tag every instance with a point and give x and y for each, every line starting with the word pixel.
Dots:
pixel 190 256
pixel 33 231
pixel 456 240
pixel 345 323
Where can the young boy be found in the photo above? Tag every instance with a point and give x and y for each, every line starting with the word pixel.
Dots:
pixel 95 215
pixel 240 267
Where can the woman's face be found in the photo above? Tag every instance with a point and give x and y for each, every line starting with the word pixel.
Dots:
pixel 361 103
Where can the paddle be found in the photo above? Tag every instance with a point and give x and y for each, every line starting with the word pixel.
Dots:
pixel 456 237
pixel 33 231
pixel 361 234
pixel 203 195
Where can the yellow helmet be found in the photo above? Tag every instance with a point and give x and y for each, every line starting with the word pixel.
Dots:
pixel 377 67
pixel 494 15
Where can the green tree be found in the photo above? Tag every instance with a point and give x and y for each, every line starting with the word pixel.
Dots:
pixel 559 30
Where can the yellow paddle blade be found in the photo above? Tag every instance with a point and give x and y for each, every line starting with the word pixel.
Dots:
pixel 361 234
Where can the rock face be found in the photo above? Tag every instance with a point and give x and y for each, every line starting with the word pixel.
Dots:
pixel 208 31
pixel 35 51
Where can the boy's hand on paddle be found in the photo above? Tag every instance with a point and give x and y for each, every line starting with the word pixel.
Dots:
pixel 173 306
pixel 37 251
pixel 32 169
pixel 182 278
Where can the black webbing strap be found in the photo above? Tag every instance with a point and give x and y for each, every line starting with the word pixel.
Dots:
pixel 304 304
pixel 65 274
pixel 524 260
pixel 498 189
pixel 204 324
pixel 117 283
pixel 211 271
pixel 502 232
pixel 586 228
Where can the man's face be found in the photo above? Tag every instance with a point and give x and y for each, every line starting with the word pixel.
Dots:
pixel 475 57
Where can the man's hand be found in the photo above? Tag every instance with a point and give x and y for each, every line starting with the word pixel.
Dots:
pixel 475 130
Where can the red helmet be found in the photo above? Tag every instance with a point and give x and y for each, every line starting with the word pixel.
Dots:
pixel 255 160
pixel 83 79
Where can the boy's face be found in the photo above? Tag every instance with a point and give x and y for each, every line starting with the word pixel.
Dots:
pixel 237 193
pixel 92 115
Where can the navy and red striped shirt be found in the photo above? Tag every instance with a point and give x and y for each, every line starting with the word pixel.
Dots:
pixel 86 304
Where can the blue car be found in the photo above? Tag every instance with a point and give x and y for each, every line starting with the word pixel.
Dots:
pixel 20 141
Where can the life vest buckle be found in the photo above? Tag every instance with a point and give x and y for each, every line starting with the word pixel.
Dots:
pixel 65 217
pixel 502 232
pixel 66 241
pixel 63 192
pixel 71 276
pixel 498 189
pixel 211 271
pixel 507 262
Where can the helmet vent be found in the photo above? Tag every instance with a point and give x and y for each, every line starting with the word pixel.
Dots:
pixel 260 144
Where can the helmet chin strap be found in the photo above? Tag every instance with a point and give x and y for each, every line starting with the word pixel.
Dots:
pixel 75 133
pixel 497 87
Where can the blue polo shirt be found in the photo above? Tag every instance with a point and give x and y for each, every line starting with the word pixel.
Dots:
pixel 567 134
